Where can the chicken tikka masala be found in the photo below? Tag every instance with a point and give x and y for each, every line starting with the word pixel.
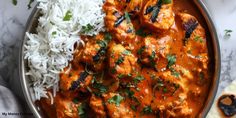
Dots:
pixel 152 61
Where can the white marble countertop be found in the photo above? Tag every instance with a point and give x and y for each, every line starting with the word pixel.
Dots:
pixel 13 21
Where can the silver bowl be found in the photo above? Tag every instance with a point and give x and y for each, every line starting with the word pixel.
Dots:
pixel 213 45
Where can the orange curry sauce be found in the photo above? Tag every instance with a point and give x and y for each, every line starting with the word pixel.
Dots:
pixel 152 62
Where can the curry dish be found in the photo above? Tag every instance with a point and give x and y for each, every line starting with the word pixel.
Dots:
pixel 152 61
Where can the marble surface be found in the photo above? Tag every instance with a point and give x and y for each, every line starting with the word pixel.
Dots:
pixel 13 22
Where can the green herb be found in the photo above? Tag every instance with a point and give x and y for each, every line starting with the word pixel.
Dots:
pixel 129 93
pixel 82 110
pixel 120 76
pixel 201 75
pixel 129 75
pixel 140 32
pixel 113 70
pixel 164 90
pixel 99 86
pixel 126 52
pixel 14 2
pixel 166 1
pixel 107 37
pixel 153 55
pixel 227 32
pixel 87 28
pixel 54 33
pixel 116 100
pixel 102 43
pixel 133 107
pixel 29 4
pixel 137 79
pixel 171 60
pixel 140 51
pixel 68 16
pixel 75 100
pixel 119 60
pixel 127 17
pixel 147 110
pixel 198 38
pixel 174 72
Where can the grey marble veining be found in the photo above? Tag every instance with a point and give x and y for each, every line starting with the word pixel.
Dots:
pixel 13 21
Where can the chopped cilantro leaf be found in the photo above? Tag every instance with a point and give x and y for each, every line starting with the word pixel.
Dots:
pixel 153 55
pixel 68 16
pixel 137 79
pixel 75 100
pixel 171 60
pixel 201 75
pixel 127 17
pixel 107 37
pixel 147 110
pixel 198 38
pixel 116 100
pixel 14 2
pixel 140 51
pixel 29 4
pixel 113 71
pixel 120 60
pixel 120 76
pixel 165 90
pixel 140 32
pixel 54 33
pixel 227 32
pixel 99 86
pixel 102 43
pixel 129 93
pixel 82 110
pixel 87 28
pixel 174 72
pixel 126 52
pixel 133 107
pixel 166 1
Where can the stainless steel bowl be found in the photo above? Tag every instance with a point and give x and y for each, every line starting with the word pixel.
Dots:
pixel 213 49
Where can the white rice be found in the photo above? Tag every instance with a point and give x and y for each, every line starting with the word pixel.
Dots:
pixel 51 48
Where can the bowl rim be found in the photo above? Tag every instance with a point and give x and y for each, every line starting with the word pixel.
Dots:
pixel 214 40
pixel 217 57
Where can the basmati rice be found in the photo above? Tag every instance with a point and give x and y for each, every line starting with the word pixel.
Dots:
pixel 59 28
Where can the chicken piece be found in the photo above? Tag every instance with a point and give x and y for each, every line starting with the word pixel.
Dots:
pixel 134 6
pixel 148 51
pixel 71 79
pixel 65 107
pixel 121 61
pixel 170 92
pixel 96 104
pixel 118 22
pixel 158 15
pixel 94 51
pixel 195 39
pixel 116 107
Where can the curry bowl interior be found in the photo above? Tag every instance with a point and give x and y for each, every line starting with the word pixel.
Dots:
pixel 212 43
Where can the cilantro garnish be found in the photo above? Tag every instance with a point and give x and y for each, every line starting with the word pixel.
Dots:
pixel 171 60
pixel 228 32
pixel 116 100
pixel 119 60
pixel 68 16
pixel 147 110
pixel 137 79
pixel 87 28
pixel 166 1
